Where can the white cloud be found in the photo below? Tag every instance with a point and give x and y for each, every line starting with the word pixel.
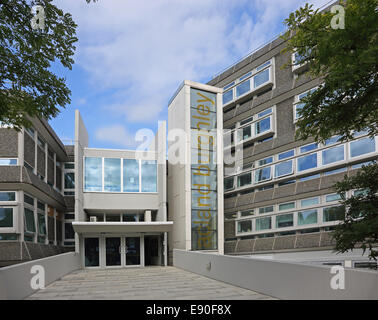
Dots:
pixel 141 50
pixel 116 134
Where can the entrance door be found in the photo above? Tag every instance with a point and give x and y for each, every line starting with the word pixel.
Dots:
pixel 132 251
pixel 113 251
pixel 122 251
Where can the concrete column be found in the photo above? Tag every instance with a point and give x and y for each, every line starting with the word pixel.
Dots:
pixel 165 244
pixel 147 216
pixel 55 241
pixel 142 263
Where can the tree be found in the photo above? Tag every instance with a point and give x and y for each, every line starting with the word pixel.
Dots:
pixel 360 226
pixel 344 57
pixel 346 61
pixel 28 87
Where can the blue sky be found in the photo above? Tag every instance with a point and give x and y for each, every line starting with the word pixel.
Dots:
pixel 132 55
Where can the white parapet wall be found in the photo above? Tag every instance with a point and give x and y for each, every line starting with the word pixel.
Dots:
pixel 280 279
pixel 15 280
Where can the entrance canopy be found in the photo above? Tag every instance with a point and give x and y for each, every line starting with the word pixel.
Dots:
pixel 122 227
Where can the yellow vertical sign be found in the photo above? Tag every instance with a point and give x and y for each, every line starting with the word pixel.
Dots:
pixel 203 113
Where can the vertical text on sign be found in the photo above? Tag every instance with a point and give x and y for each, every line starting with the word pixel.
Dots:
pixel 203 113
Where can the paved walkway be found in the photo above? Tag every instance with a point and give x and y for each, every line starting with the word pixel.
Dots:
pixel 150 283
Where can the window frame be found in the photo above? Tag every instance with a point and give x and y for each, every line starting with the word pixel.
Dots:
pixel 138 160
pixel 250 76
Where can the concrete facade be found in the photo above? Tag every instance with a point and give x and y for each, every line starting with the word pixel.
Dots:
pixel 31 179
pixel 246 204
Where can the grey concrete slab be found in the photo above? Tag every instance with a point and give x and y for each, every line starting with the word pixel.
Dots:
pixel 150 283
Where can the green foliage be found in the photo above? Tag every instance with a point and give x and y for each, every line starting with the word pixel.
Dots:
pixel 346 61
pixel 360 225
pixel 27 85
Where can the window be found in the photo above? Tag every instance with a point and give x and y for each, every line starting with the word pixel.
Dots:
pixel 333 213
pixel 69 165
pixel 267 187
pixel 113 217
pixel 284 183
pixel 306 178
pixel 262 66
pixel 112 175
pixel 93 174
pixel 7 196
pixel 263 174
pixel 265 161
pixel 247 213
pixel 8 162
pixel 6 217
pixel 266 209
pixel 29 220
pixel 307 217
pixel 149 176
pixel 286 154
pixel 69 216
pixel 309 202
pixel 130 175
pixel 296 60
pixel 263 223
pixel 244 226
pixel 262 126
pixel 41 206
pixel 245 121
pixel 284 220
pixel 41 224
pixel 229 183
pixel 244 133
pixel 248 166
pixel 363 192
pixel 307 162
pixel 309 147
pixel 243 88
pixel 41 143
pixel 50 154
pixel 264 113
pixel 69 180
pixel 299 105
pixel 245 76
pixel 29 200
pixel 261 78
pixel 228 96
pixel 30 131
pixel 286 206
pixel 333 197
pixel 332 155
pixel 229 85
pixel 7 236
pixel 244 179
pixel 284 168
pixel 361 147
pixel 332 140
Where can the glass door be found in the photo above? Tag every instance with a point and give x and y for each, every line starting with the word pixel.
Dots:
pixel 132 250
pixel 91 252
pixel 113 251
